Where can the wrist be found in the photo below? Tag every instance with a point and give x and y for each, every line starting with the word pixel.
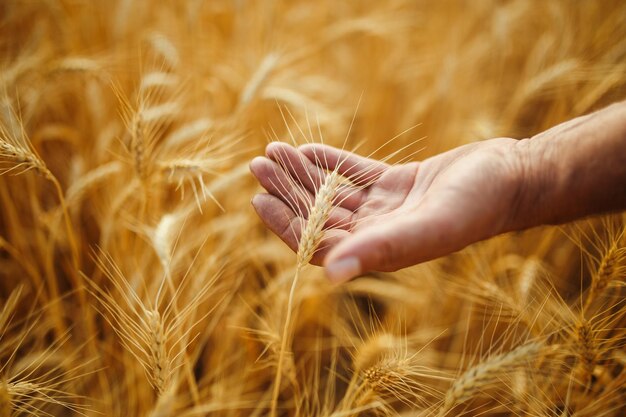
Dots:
pixel 573 170
pixel 538 180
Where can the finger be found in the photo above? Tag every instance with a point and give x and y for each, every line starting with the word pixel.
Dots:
pixel 296 164
pixel 396 244
pixel 278 183
pixel 282 221
pixel 279 218
pixel 274 179
pixel 360 170
pixel 310 175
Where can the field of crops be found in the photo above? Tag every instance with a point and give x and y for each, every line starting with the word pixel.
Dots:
pixel 137 280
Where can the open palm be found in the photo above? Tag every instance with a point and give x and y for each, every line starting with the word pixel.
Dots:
pixel 394 216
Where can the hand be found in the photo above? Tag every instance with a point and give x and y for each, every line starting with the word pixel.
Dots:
pixel 404 215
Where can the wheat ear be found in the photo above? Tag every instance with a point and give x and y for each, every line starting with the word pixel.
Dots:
pixel 258 78
pixel 612 265
pixel 373 350
pixel 23 159
pixel 144 122
pixel 151 332
pixel 486 373
pixel 586 349
pixel 159 363
pixel 401 379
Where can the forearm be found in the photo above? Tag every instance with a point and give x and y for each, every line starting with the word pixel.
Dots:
pixel 574 170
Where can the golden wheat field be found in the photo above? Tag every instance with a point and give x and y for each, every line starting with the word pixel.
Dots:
pixel 137 280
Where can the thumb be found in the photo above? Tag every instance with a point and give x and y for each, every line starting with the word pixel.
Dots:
pixel 393 245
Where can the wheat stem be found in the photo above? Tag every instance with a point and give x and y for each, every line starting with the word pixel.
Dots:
pixel 165 255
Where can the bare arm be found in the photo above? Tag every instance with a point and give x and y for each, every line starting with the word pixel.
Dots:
pixel 575 169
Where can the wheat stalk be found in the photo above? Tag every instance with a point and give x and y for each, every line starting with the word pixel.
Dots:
pixel 143 333
pixel 142 329
pixel 310 239
pixel 158 340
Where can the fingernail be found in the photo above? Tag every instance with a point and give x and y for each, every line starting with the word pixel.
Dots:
pixel 343 269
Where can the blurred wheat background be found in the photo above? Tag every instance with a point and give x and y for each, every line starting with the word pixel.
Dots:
pixel 136 280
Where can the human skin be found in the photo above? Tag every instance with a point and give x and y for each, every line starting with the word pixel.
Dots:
pixel 405 214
